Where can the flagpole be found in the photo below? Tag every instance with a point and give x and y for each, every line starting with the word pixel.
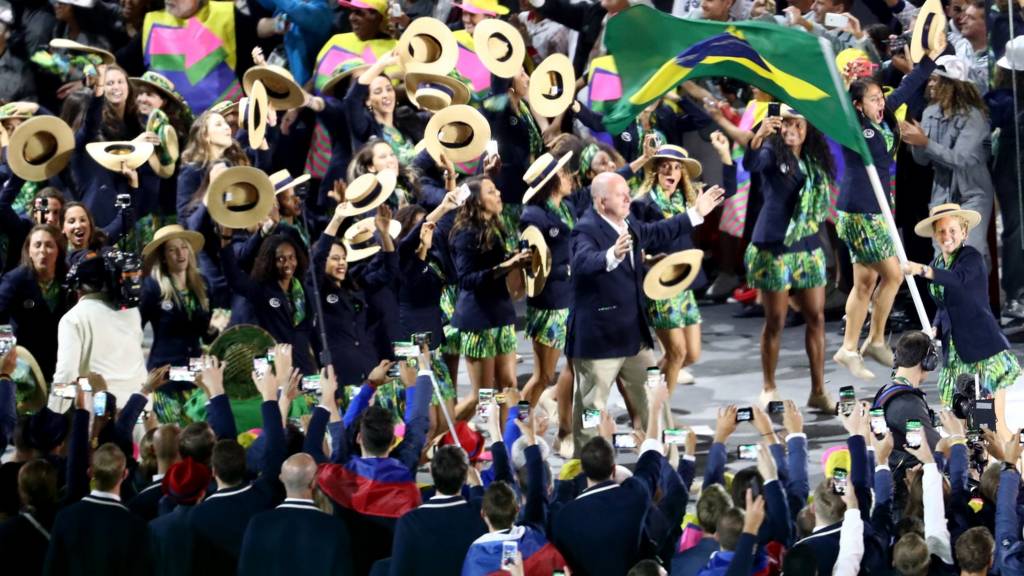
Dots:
pixel 890 223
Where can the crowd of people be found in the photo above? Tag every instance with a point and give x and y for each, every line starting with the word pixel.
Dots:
pixel 246 250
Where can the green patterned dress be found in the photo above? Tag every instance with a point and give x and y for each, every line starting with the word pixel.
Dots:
pixel 997 371
pixel 548 326
pixel 866 234
pixel 681 310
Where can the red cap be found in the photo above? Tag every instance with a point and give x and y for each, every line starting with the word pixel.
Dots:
pixel 471 440
pixel 186 481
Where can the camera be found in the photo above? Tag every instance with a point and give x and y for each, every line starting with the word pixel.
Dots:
pixel 968 405
pixel 897 44
pixel 115 272
pixel 421 338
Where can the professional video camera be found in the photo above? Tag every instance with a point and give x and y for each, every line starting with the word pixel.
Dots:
pixel 972 403
pixel 114 272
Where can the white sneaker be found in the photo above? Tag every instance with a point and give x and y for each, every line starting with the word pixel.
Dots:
pixel 685 377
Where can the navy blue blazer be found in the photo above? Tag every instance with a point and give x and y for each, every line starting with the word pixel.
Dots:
pixel 22 544
pixel 35 325
pixel 170 542
pixel 643 209
pixel 334 120
pixel 176 335
pixel 600 531
pixel 963 313
pixel 13 226
pixel 273 311
pixel 781 192
pixel 98 535
pixel 855 192
pixel 296 536
pixel 146 503
pixel 378 277
pixel 607 319
pixel 363 126
pixel 434 538
pixel 483 301
pixel 513 136
pixel 557 293
pixel 419 295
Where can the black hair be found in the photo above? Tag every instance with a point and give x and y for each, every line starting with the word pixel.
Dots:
pixel 815 150
pixel 448 469
pixel 646 567
pixel 597 458
pixel 911 349
pixel 746 478
pixel 265 270
pixel 800 560
pixel 859 89
pixel 377 429
pixel 229 461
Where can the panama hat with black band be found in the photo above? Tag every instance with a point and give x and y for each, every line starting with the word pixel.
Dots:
pixel 367 192
pixel 429 47
pixel 361 241
pixel 552 86
pixel 929 37
pixel 925 228
pixel 115 155
pixel 459 132
pixel 434 92
pixel 500 47
pixel 283 180
pixel 240 197
pixel 283 93
pixel 679 154
pixel 672 274
pixel 539 268
pixel 40 148
pixel 541 171
pixel 151 253
pixel 252 111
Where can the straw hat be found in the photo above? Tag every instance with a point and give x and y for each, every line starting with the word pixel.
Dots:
pixel 929 36
pixel 72 46
pixel 542 169
pixel 368 191
pixel 499 46
pixel 282 90
pixel 460 132
pixel 360 239
pixel 672 274
pixel 345 70
pixel 428 46
pixel 151 253
pixel 552 86
pixel 924 227
pixel 252 110
pixel 114 155
pixel 160 125
pixel 160 84
pixel 536 274
pixel 224 107
pixel 434 92
pixel 485 7
pixel 282 180
pixel 40 148
pixel 240 197
pixel 673 152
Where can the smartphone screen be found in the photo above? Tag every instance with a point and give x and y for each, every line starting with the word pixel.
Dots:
pixel 509 548
pixel 840 478
pixel 195 365
pixel 624 440
pixel 746 451
pixel 776 407
pixel 524 411
pixel 260 366
pixel 83 385
pixel 7 339
pixel 673 436
pixel 591 418
pixel 774 109
pixel 311 383
pixel 914 433
pixel 878 425
pixel 99 403
pixel 180 374
pixel 847 400
pixel 492 148
pixel 744 414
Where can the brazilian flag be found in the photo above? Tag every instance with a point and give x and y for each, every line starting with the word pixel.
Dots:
pixel 655 52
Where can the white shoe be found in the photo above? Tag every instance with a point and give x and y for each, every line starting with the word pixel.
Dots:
pixel 685 377
pixel 854 363
pixel 767 396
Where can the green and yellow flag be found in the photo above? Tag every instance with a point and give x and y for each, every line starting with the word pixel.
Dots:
pixel 655 52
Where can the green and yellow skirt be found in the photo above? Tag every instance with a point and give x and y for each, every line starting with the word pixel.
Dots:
pixel 866 235
pixel 773 272
pixel 489 343
pixel 547 327
pixel 676 312
pixel 997 372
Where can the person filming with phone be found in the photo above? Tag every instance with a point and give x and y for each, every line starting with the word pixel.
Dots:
pixel 902 401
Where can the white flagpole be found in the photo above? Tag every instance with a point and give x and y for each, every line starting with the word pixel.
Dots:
pixel 890 223
pixel 444 409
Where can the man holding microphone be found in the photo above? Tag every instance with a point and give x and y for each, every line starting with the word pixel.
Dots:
pixel 608 334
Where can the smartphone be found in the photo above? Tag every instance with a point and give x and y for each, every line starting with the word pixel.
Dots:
pixel 484 397
pixel 591 418
pixel 310 383
pixel 524 411
pixel 744 414
pixel 878 425
pixel 420 338
pixel 984 414
pixel 776 407
pixel 840 479
pixel 68 392
pixel 836 20
pixel 492 148
pixel 509 549
pixel 847 400
pixel 914 434
pixel 7 339
pixel 774 109
pixel 675 436
pixel 260 366
pixel 196 365
pixel 394 372
pixel 406 349
pixel 1022 436
pixel 746 451
pixel 653 378
pixel 180 374
pixel 270 356
pixel 624 440
pixel 461 195
pixel 99 404
pixel 84 386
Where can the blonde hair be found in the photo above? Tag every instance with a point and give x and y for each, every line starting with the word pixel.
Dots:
pixel 193 280
pixel 689 187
